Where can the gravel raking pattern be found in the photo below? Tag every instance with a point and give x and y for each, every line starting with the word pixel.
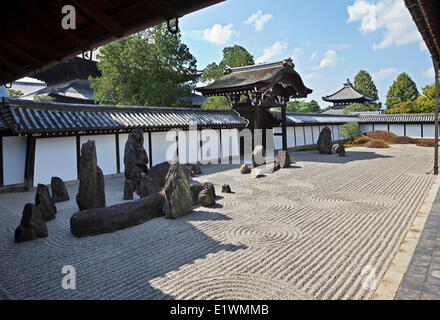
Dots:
pixel 301 233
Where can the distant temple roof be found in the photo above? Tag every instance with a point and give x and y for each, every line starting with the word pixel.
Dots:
pixel 49 118
pixel 77 89
pixel 347 95
pixel 260 77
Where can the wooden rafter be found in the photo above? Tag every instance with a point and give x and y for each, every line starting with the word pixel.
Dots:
pixel 162 7
pixel 100 17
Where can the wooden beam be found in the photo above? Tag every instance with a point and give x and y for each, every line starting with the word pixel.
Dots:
pixel 30 162
pixel 1 161
pixel 118 157
pixel 162 8
pixel 21 53
pixel 78 154
pixel 100 17
pixel 436 70
pixel 150 150
pixel 284 126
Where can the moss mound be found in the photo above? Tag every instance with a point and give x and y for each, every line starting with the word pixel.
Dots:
pixel 362 139
pixel 381 135
pixel 402 140
pixel 376 144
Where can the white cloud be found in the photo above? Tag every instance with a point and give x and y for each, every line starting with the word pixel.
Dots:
pixel 218 34
pixel 329 60
pixel 429 73
pixel 297 52
pixel 273 51
pixel 258 20
pixel 383 74
pixel 314 55
pixel 390 16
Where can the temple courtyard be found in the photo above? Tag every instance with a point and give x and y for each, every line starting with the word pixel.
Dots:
pixel 308 232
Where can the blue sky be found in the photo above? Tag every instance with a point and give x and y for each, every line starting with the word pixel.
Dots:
pixel 329 40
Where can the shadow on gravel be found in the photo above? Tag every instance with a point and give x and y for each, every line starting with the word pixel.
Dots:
pixel 315 156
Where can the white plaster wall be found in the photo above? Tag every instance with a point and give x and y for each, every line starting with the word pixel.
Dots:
pixel 160 146
pixel 398 129
pixel 414 130
pixel 308 131
pixel 336 128
pixel 14 159
pixel 299 137
pixel 55 157
pixel 383 127
pixel 210 148
pixel 105 152
pixel 428 131
pixel 316 133
pixel 366 128
pixel 290 138
pixel 230 147
pixel 278 140
pixel 189 146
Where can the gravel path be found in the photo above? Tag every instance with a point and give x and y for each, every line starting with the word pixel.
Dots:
pixel 301 233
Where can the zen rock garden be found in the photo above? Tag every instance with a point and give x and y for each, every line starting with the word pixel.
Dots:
pixel 163 190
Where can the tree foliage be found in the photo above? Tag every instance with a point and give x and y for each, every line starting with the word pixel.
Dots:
pixel 14 93
pixel 152 67
pixel 357 107
pixel 350 131
pixel 303 106
pixel 233 57
pixel 363 82
pixel 425 103
pixel 403 89
pixel 43 97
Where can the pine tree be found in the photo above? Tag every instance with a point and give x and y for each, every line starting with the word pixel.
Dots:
pixel 403 89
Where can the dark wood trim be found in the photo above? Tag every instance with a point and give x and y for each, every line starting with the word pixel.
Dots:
pixel 404 129
pixel 373 126
pixel 1 161
pixel 304 134
pixel 78 154
pixel 388 127
pixel 421 129
pixel 177 144
pixel 30 162
pixel 150 150
pixel 221 147
pixel 313 135
pixel 201 145
pixel 284 126
pixel 294 135
pixel 118 157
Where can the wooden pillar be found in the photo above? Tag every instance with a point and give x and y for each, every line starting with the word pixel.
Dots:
pixel 284 126
pixel 1 161
pixel 436 70
pixel 78 154
pixel 150 150
pixel 30 162
pixel 118 156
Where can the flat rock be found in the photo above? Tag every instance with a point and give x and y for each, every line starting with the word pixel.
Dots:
pixel 45 203
pixel 226 188
pixel 178 200
pixel 282 160
pixel 258 156
pixel 195 191
pixel 256 173
pixel 245 169
pixel 59 191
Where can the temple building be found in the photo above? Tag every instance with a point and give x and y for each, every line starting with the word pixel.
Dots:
pixel 345 97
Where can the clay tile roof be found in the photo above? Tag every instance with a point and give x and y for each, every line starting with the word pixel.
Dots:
pixel 347 93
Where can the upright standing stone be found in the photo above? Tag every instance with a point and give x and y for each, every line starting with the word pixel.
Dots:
pixel 147 186
pixel 135 159
pixel 178 200
pixel 341 151
pixel 282 160
pixel 45 203
pixel 59 191
pixel 32 225
pixel 159 173
pixel 258 156
pixel 91 193
pixel 325 141
pixel 128 191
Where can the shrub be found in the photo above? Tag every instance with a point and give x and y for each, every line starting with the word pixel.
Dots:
pixel 350 131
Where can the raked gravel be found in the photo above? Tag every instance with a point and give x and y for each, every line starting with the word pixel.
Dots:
pixel 306 232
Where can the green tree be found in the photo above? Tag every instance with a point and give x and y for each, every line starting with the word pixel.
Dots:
pixel 357 107
pixel 350 131
pixel 425 103
pixel 152 68
pixel 302 106
pixel 233 57
pixel 14 93
pixel 363 82
pixel 402 90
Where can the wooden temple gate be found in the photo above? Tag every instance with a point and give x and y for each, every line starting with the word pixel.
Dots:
pixel 253 90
